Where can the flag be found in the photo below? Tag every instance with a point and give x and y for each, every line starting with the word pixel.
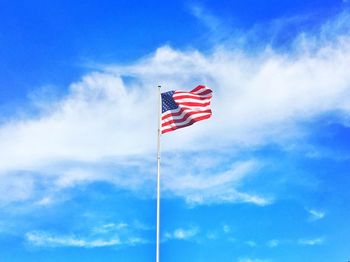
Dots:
pixel 181 109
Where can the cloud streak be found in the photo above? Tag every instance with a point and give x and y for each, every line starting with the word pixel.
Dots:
pixel 105 235
pixel 47 240
pixel 209 188
pixel 311 241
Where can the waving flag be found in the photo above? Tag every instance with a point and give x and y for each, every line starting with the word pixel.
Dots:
pixel 181 109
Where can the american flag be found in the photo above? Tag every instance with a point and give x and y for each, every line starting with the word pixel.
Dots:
pixel 181 109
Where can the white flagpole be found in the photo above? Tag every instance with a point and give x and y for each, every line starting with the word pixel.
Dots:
pixel 158 170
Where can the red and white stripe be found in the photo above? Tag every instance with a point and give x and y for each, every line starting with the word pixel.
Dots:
pixel 194 106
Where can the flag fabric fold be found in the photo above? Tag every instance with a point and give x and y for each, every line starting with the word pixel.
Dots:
pixel 181 109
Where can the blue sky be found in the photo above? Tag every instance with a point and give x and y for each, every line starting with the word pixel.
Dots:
pixel 266 179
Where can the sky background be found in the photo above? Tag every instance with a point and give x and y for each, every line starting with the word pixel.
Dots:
pixel 266 179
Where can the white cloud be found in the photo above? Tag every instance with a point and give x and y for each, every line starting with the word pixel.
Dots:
pixel 251 243
pixel 258 99
pixel 209 20
pixel 311 241
pixel 217 30
pixel 181 233
pixel 44 201
pixel 96 120
pixel 109 234
pixel 315 214
pixel 273 243
pixel 37 238
pixel 110 227
pixel 207 189
pixel 191 182
pixel 229 196
pixel 226 229
pixel 16 187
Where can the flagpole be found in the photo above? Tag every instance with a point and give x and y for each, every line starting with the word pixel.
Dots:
pixel 158 170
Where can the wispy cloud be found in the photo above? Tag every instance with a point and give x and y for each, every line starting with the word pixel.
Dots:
pixel 273 243
pixel 109 234
pixel 217 30
pixel 226 229
pixel 16 187
pixel 315 214
pixel 202 14
pixel 44 201
pixel 311 241
pixel 181 233
pixel 110 227
pixel 105 121
pixel 251 243
pixel 38 238
pixel 211 188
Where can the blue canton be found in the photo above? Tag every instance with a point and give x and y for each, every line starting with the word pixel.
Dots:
pixel 168 102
